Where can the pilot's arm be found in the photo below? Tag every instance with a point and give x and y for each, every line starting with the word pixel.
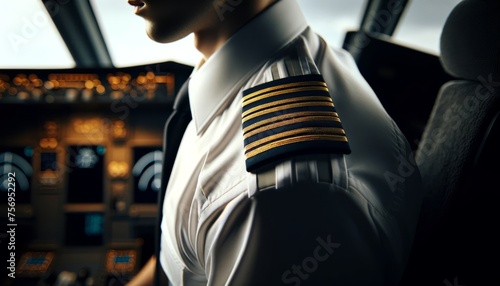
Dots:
pixel 145 275
pixel 310 234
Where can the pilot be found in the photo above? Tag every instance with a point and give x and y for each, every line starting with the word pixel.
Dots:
pixel 290 171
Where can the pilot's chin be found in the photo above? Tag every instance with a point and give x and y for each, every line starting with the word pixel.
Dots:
pixel 162 35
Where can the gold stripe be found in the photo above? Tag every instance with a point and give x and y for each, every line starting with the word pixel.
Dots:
pixel 292 115
pixel 284 107
pixel 293 121
pixel 282 86
pixel 280 92
pixel 287 101
pixel 292 140
pixel 289 133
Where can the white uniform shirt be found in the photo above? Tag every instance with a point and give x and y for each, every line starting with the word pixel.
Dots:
pixel 357 229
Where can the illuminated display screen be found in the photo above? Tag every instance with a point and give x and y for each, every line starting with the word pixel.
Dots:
pixel 84 229
pixel 85 168
pixel 33 261
pixel 147 174
pixel 121 260
pixel 48 161
pixel 35 264
pixel 16 161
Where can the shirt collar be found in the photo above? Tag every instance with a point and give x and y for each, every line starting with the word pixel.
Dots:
pixel 215 82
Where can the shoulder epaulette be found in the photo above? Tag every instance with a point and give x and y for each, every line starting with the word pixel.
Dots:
pixel 290 117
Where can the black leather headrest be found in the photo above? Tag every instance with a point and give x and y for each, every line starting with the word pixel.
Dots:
pixel 470 40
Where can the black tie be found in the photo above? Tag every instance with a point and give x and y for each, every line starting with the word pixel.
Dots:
pixel 174 131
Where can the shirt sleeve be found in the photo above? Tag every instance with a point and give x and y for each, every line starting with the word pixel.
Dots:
pixel 307 234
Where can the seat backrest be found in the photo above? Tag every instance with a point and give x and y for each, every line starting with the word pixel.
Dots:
pixel 457 241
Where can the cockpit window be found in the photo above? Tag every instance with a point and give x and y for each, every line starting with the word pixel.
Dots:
pixel 29 38
pixel 421 25
pixel 332 19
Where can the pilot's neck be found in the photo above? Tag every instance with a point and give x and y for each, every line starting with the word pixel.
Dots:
pixel 225 22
